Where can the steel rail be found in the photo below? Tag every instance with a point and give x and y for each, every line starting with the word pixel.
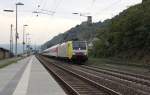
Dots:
pixel 91 82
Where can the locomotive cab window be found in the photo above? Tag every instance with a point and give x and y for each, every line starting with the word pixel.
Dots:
pixel 77 45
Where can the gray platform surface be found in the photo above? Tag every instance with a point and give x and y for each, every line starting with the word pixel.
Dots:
pixel 10 76
pixel 28 77
pixel 41 83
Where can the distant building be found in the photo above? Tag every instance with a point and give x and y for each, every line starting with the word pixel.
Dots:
pixel 88 22
pixel 4 53
pixel 89 19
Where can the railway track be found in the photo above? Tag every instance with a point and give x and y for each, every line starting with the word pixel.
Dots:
pixel 74 82
pixel 114 83
pixel 141 79
pixel 125 82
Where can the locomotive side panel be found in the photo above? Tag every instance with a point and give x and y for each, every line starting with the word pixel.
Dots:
pixel 69 50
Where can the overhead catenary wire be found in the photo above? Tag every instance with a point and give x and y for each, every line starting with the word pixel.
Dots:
pixel 93 2
pixel 112 4
pixel 50 11
pixel 56 3
pixel 115 3
pixel 92 5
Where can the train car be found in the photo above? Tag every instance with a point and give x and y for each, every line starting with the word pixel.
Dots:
pixel 72 50
pixel 52 51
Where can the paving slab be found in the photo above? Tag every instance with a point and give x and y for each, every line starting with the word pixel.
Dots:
pixel 28 77
pixel 41 83
pixel 10 75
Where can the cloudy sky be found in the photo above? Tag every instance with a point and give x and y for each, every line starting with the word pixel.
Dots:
pixel 58 16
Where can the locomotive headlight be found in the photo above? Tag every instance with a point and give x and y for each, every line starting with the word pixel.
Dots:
pixel 79 53
pixel 74 53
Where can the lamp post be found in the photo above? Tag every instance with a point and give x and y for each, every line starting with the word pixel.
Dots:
pixel 16 35
pixel 24 37
pixel 11 39
pixel 16 38
pixel 8 10
pixel 11 34
pixel 27 42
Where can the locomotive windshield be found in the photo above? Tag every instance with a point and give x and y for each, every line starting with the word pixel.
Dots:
pixel 79 45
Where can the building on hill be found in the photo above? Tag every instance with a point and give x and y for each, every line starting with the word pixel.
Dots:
pixel 88 22
pixel 89 19
pixel 4 53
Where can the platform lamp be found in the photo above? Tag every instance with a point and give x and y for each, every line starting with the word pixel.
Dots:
pixel 24 38
pixel 16 38
pixel 11 34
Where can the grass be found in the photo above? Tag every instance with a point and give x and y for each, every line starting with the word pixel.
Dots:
pixel 9 63
pixel 101 61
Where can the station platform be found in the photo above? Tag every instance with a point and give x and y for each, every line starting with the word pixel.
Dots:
pixel 28 77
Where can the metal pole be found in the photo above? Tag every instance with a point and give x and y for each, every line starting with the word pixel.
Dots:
pixel 24 42
pixel 23 38
pixel 11 39
pixel 16 32
pixel 27 43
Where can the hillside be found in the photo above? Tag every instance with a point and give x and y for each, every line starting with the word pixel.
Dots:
pixel 127 35
pixel 79 32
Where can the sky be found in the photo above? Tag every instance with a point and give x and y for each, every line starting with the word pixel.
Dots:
pixel 58 16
